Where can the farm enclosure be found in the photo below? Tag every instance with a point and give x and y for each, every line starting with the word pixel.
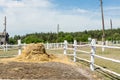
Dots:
pixel 106 53
pixel 13 68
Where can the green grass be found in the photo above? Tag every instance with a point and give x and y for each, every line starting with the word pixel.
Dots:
pixel 8 54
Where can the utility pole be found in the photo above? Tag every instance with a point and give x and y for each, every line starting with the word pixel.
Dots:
pixel 111 28
pixel 111 24
pixel 57 32
pixel 103 36
pixel 5 23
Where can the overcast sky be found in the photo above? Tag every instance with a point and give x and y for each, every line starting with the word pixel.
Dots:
pixel 29 16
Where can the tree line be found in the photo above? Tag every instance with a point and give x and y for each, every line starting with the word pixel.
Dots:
pixel 53 37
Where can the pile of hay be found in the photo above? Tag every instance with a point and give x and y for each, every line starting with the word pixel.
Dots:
pixel 35 52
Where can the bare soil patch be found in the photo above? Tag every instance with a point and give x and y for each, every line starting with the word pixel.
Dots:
pixel 36 63
pixel 48 70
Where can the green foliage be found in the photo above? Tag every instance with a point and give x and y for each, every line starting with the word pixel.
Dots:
pixel 32 39
pixel 116 36
pixel 12 40
pixel 69 36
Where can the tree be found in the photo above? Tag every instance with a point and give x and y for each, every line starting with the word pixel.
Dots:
pixel 11 40
pixel 32 39
pixel 69 38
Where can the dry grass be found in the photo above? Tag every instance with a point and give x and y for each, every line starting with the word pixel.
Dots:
pixel 109 53
pixel 8 54
pixel 35 52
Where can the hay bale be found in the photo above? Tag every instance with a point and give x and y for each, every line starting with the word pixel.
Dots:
pixel 35 52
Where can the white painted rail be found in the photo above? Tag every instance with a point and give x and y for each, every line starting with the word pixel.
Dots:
pixel 75 49
pixel 117 61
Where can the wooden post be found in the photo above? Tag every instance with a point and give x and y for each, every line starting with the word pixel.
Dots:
pixel 111 24
pixel 6 47
pixel 61 45
pixel 103 49
pixel 75 47
pixel 103 26
pixel 57 45
pixel 107 43
pixel 93 49
pixel 51 45
pixel 47 45
pixel 65 47
pixel 5 23
pixel 54 45
pixel 57 33
pixel 24 46
pixel 19 47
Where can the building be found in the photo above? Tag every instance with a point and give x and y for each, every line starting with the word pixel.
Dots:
pixel 4 36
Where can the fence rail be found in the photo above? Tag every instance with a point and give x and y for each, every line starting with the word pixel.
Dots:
pixel 18 47
pixel 65 46
pixel 92 54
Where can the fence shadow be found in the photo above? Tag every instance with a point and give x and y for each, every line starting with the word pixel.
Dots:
pixel 107 75
pixel 83 62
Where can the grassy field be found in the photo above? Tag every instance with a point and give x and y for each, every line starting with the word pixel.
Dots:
pixel 8 54
pixel 109 53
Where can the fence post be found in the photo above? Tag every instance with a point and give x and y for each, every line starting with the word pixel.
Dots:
pixel 93 49
pixel 51 45
pixel 61 45
pixel 19 47
pixel 6 47
pixel 54 45
pixel 65 47
pixel 75 47
pixel 107 43
pixel 24 46
pixel 103 49
pixel 47 45
pixel 57 44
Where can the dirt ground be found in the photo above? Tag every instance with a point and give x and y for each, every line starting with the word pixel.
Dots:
pixel 47 70
pixel 60 68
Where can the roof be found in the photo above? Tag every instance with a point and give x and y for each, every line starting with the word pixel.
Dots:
pixel 3 33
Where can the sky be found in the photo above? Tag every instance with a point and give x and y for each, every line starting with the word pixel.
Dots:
pixel 30 16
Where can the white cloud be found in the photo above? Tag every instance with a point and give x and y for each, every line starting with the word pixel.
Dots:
pixel 10 3
pixel 78 10
pixel 113 8
pixel 27 16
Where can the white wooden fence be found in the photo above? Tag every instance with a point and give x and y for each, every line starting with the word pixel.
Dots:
pixel 65 47
pixel 93 46
pixel 18 46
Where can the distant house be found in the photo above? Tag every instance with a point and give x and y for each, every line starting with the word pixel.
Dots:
pixel 4 38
